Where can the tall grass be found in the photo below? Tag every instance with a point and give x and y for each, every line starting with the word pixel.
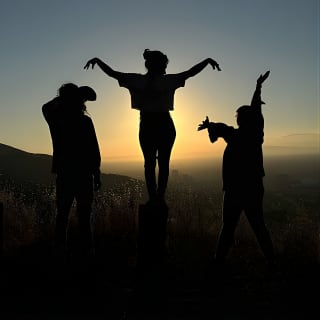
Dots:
pixel 193 224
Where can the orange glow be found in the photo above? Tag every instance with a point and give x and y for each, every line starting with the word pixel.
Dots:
pixel 117 129
pixel 191 143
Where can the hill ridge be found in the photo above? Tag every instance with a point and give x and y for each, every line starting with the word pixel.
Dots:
pixel 21 166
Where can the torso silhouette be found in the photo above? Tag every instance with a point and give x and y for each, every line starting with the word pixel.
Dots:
pixel 151 93
pixel 75 146
pixel 243 156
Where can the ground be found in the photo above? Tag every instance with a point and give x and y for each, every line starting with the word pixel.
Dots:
pixel 42 287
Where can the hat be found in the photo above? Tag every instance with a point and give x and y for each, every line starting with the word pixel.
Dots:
pixel 87 93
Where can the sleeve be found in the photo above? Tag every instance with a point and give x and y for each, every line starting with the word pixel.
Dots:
pixel 127 80
pixel 50 109
pixel 219 130
pixel 176 81
pixel 180 81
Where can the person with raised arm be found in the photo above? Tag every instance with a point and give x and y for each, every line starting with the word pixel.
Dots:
pixel 242 174
pixel 153 95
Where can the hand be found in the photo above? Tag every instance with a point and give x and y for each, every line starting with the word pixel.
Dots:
pixel 204 124
pixel 96 182
pixel 262 78
pixel 91 62
pixel 215 65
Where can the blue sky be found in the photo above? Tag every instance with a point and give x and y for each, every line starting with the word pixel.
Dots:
pixel 46 43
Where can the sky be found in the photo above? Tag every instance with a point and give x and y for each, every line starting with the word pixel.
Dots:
pixel 45 44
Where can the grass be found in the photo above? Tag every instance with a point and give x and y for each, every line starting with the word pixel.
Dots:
pixel 193 226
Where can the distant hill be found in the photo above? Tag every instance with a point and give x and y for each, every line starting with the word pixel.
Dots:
pixel 23 166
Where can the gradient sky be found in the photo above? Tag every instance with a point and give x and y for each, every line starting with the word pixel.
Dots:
pixel 46 43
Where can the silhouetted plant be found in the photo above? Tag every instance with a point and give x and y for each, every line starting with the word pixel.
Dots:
pixel 193 224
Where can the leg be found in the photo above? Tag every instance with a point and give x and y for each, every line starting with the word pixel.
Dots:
pixel 1 230
pixel 254 213
pixel 64 199
pixel 84 198
pixel 164 153
pixel 231 213
pixel 149 150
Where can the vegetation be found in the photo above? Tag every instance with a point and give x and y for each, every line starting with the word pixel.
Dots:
pixel 291 213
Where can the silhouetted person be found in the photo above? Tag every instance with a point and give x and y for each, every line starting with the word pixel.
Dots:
pixel 153 94
pixel 243 174
pixel 1 229
pixel 76 160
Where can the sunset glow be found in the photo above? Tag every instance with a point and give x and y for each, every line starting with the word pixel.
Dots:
pixel 245 43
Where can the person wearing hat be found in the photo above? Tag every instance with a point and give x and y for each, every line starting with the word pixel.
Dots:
pixel 76 160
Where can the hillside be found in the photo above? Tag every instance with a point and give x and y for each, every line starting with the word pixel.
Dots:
pixel 185 285
pixel 22 166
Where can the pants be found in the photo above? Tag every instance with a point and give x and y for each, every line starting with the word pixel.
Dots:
pixel 156 135
pixel 68 188
pixel 251 202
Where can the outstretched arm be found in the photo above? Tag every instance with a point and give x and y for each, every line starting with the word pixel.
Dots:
pixel 204 125
pixel 103 66
pixel 216 130
pixel 256 101
pixel 199 67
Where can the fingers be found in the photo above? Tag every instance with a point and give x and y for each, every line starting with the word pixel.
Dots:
pixel 204 124
pixel 91 62
pixel 215 66
pixel 263 77
pixel 266 75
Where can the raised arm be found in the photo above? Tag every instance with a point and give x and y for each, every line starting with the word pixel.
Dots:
pixel 51 108
pixel 256 101
pixel 199 67
pixel 104 67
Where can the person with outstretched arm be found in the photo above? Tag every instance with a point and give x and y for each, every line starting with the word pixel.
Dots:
pixel 242 174
pixel 153 95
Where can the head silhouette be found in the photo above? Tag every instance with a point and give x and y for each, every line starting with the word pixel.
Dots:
pixel 87 94
pixel 155 61
pixel 68 92
pixel 248 119
pixel 244 116
pixel 72 98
